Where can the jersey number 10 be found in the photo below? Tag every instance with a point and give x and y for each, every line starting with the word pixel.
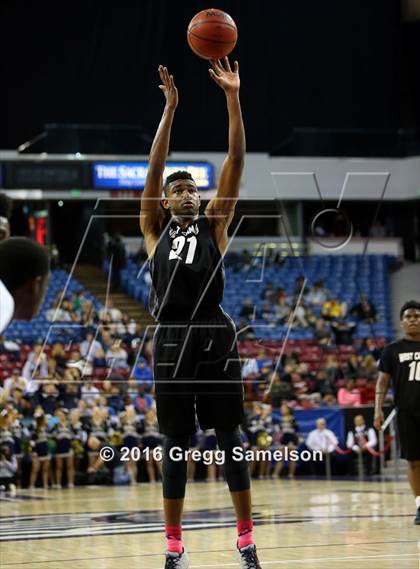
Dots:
pixel 178 245
pixel 414 371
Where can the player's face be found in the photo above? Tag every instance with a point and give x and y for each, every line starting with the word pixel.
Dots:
pixel 410 321
pixel 182 198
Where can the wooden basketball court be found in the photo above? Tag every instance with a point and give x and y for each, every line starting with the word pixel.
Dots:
pixel 333 525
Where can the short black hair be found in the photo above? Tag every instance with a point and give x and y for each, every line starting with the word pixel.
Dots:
pixel 407 305
pixel 6 205
pixel 22 260
pixel 179 175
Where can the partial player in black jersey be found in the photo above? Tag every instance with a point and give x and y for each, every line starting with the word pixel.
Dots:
pixel 196 364
pixel 400 362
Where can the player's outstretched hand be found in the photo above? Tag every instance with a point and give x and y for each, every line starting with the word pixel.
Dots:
pixel 222 74
pixel 168 87
pixel 378 421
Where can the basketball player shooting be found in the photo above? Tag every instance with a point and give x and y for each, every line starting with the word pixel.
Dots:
pixel 196 364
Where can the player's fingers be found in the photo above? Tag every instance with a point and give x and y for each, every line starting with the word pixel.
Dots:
pixel 227 64
pixel 213 63
pixel 236 67
pixel 166 76
pixel 214 76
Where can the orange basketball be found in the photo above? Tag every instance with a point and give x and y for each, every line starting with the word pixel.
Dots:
pixel 212 34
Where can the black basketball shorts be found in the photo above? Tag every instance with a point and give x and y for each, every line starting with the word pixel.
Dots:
pixel 197 374
pixel 409 435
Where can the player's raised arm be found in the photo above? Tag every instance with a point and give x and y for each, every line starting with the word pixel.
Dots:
pixel 230 176
pixel 381 390
pixel 151 213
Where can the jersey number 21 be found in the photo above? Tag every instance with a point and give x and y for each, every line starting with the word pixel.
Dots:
pixel 177 246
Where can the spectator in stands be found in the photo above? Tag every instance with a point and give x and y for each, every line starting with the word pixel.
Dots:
pixel 10 349
pixel 324 385
pixel 267 312
pixel 269 294
pixel 69 396
pixel 8 468
pixel 360 440
pixel 15 398
pixel 77 362
pixel 248 309
pixel 343 332
pixel 369 346
pixel 47 396
pixel 329 400
pixel 281 294
pixel 95 445
pixel 321 438
pixel 349 395
pixel 364 311
pixel 58 314
pixel 367 392
pixel 250 368
pixel 126 329
pixel 286 387
pixel 37 359
pixel 310 316
pixel 245 331
pixel 353 363
pixel 35 380
pixel 117 356
pixel 142 373
pixel 332 368
pixel 110 313
pixel 318 295
pixel 299 286
pixel 299 309
pixel 59 354
pixel 143 401
pixel 289 438
pixel 369 368
pixel 299 385
pixel 89 348
pixel 322 333
pixel 78 300
pixel 89 393
pixel 15 381
pixel 281 390
pixel 41 457
pixel 282 310
pixel 88 314
pixel 115 400
pixel 334 309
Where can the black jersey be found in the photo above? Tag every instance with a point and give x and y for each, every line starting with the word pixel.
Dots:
pixel 401 360
pixel 187 273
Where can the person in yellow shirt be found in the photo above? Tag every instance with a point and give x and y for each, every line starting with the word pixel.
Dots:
pixel 333 308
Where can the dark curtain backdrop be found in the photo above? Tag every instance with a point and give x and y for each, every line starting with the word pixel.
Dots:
pixel 303 63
